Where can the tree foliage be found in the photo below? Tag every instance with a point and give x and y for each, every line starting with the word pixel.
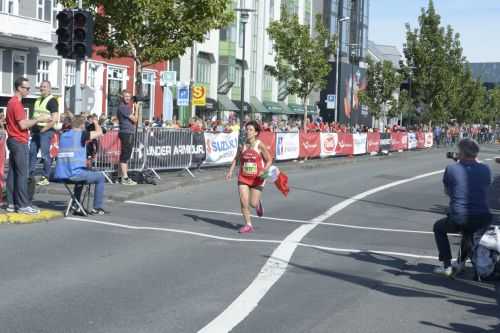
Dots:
pixel 383 82
pixel 301 56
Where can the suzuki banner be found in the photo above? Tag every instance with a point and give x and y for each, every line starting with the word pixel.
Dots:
pixel 328 143
pixel 399 141
pixel 221 148
pixel 269 140
pixel 420 140
pixel 344 144
pixel 412 140
pixel 429 140
pixel 287 146
pixel 372 142
pixel 359 143
pixel 309 145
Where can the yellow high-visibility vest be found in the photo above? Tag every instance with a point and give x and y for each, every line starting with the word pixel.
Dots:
pixel 41 108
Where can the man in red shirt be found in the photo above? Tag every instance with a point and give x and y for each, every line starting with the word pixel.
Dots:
pixel 18 126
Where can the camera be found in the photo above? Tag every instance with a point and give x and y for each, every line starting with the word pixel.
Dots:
pixel 452 155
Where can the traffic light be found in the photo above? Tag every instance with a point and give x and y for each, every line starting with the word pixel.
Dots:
pixel 83 34
pixel 64 33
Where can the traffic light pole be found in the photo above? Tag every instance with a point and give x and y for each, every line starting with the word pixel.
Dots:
pixel 77 107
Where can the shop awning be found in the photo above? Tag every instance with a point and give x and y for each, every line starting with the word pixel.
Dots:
pixel 257 105
pixel 225 104
pixel 246 106
pixel 275 108
pixel 299 109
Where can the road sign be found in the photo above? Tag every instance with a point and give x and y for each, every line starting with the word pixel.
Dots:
pixel 199 95
pixel 183 96
pixel 331 101
pixel 168 78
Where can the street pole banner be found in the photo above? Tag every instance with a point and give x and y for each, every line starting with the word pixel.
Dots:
pixel 345 144
pixel 359 143
pixel 385 142
pixel 269 139
pixel 399 141
pixel 221 148
pixel 420 140
pixel 372 142
pixel 412 140
pixel 199 95
pixel 287 146
pixel 169 148
pixel 328 144
pixel 310 144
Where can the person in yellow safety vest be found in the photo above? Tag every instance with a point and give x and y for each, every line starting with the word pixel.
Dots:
pixel 41 134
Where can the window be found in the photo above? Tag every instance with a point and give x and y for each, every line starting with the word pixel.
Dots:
pixel 116 83
pixel 9 6
pixel 203 70
pixel 240 35
pixel 148 84
pixel 175 65
pixel 43 72
pixel 69 74
pixel 56 7
pixel 268 80
pixel 19 64
pixel 237 76
pixel 44 10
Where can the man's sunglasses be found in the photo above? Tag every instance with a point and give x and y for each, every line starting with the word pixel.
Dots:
pixel 27 88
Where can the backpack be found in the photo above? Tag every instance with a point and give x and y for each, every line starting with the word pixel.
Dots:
pixel 484 259
pixel 144 177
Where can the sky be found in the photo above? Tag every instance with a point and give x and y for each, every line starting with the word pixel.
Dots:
pixel 477 22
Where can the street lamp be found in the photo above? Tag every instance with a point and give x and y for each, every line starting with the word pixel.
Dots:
pixel 337 99
pixel 244 17
pixel 353 54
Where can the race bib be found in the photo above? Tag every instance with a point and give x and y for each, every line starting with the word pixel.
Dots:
pixel 250 169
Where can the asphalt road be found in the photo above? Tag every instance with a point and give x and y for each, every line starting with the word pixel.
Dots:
pixel 174 262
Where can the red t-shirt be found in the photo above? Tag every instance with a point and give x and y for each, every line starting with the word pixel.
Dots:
pixel 16 113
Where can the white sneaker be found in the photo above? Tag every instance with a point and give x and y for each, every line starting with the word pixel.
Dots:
pixel 448 271
pixel 458 267
pixel 11 209
pixel 29 210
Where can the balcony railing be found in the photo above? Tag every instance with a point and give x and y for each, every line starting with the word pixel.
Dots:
pixel 25 27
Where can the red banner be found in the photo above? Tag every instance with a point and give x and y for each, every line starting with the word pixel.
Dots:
pixel 269 139
pixel 420 140
pixel 310 145
pixel 399 141
pixel 345 144
pixel 109 147
pixel 373 143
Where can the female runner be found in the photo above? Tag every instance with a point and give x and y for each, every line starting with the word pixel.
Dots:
pixel 254 161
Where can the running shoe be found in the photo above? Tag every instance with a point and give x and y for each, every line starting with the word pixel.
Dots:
pixel 29 210
pixel 11 209
pixel 98 211
pixel 446 271
pixel 43 182
pixel 128 181
pixel 259 209
pixel 246 229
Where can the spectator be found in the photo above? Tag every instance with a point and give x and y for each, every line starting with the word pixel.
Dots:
pixel 18 126
pixel 127 119
pixel 42 133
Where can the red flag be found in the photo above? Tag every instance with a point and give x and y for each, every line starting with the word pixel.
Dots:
pixel 282 183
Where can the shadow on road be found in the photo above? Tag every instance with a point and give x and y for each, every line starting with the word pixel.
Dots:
pixel 219 223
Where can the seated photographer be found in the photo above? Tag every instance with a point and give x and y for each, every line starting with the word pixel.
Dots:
pixel 466 182
pixel 72 161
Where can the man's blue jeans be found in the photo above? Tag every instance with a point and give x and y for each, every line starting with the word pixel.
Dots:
pixel 41 141
pixel 91 177
pixel 17 179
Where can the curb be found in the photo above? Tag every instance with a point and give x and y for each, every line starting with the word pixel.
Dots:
pixel 17 218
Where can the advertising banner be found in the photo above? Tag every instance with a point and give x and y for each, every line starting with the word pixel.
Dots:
pixel 385 142
pixel 372 142
pixel 359 143
pixel 412 140
pixel 344 144
pixel 221 147
pixel 199 95
pixel 108 150
pixel 420 140
pixel 170 149
pixel 399 141
pixel 199 154
pixel 287 146
pixel 429 140
pixel 269 139
pixel 310 145
pixel 328 143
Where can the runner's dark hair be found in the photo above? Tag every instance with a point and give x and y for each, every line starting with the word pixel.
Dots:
pixel 255 125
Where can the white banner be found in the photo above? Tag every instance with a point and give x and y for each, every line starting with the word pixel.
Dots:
pixel 287 146
pixel 221 148
pixel 412 140
pixel 359 143
pixel 329 143
pixel 429 140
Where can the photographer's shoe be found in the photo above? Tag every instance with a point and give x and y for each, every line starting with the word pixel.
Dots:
pixel 445 271
pixel 128 181
pixel 43 182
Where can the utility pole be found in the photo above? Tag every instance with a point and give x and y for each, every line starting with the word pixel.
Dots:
pixel 77 107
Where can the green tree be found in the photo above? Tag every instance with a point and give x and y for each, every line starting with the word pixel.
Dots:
pixel 434 63
pixel 493 104
pixel 150 31
pixel 383 81
pixel 301 55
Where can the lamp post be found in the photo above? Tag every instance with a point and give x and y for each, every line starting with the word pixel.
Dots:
pixel 337 99
pixel 244 17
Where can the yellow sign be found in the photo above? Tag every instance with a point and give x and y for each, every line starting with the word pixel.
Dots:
pixel 199 95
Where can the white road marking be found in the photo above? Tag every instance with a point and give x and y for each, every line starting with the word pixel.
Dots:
pixel 349 226
pixel 276 265
pixel 488 159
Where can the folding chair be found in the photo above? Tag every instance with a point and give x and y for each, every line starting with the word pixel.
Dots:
pixel 73 200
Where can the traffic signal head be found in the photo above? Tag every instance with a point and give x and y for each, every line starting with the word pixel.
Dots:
pixel 64 33
pixel 83 31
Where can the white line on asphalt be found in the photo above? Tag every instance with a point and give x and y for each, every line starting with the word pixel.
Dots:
pixel 349 226
pixel 488 159
pixel 276 265
pixel 178 231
